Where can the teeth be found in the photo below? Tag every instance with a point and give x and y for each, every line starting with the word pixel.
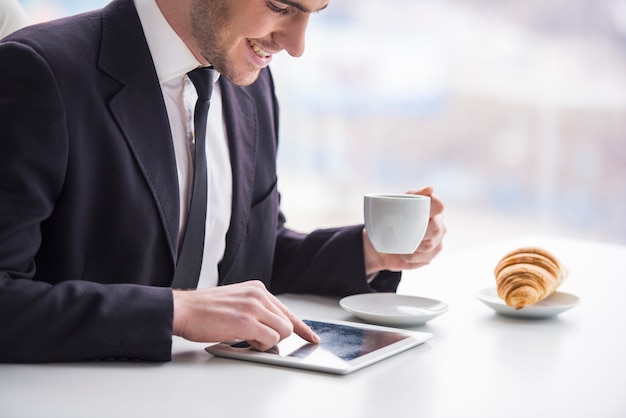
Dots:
pixel 258 51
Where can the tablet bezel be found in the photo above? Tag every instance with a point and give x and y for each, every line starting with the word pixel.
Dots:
pixel 340 366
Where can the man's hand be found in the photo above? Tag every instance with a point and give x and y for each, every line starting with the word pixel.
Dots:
pixel 429 247
pixel 243 311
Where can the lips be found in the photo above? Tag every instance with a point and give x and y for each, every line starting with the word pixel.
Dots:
pixel 257 50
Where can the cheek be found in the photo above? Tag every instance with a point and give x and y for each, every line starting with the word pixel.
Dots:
pixel 239 48
pixel 256 25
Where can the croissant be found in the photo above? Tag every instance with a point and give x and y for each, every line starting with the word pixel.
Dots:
pixel 527 275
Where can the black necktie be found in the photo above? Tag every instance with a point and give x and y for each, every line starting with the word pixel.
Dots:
pixel 190 257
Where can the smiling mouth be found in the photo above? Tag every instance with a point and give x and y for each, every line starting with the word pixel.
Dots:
pixel 257 50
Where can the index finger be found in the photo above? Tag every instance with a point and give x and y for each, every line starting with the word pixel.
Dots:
pixel 302 329
pixel 299 327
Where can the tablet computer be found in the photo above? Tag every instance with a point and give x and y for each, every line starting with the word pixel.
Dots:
pixel 344 347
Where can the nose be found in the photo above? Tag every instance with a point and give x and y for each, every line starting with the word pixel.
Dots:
pixel 292 34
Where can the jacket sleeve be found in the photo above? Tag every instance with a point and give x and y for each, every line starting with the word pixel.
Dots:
pixel 58 319
pixel 326 261
pixel 79 320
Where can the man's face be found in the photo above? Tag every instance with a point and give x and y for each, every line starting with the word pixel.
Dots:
pixel 239 37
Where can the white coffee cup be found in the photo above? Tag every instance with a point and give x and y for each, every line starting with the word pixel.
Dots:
pixel 396 223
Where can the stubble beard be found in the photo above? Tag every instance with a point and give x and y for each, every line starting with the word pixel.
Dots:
pixel 209 21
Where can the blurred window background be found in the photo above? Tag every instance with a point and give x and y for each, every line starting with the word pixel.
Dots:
pixel 514 110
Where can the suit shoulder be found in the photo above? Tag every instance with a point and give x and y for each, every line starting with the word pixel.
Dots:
pixel 61 36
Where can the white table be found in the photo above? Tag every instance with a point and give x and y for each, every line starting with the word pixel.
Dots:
pixel 478 364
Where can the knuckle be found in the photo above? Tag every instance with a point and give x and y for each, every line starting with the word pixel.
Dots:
pixel 427 246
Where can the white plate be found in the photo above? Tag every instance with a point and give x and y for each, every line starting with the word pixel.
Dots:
pixel 550 306
pixel 393 309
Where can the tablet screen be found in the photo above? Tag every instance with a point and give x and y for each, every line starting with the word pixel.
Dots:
pixel 342 341
pixel 346 342
pixel 344 347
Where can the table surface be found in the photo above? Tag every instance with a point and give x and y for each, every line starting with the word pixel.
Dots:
pixel 477 364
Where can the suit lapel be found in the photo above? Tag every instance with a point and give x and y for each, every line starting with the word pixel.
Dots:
pixel 126 57
pixel 242 127
pixel 140 111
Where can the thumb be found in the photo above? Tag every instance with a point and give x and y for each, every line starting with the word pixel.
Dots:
pixel 424 191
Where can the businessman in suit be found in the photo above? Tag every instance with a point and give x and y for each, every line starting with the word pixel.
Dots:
pixel 95 181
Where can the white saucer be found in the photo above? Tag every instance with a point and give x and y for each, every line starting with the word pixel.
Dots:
pixel 549 307
pixel 393 309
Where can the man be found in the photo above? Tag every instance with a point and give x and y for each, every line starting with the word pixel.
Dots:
pixel 95 174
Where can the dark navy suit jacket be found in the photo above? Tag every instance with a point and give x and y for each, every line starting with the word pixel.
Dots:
pixel 89 202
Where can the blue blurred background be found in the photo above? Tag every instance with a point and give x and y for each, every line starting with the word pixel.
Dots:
pixel 514 110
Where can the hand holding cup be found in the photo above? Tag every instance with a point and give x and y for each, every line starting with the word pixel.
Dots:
pixel 405 240
pixel 396 223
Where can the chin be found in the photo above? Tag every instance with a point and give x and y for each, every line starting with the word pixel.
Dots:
pixel 243 79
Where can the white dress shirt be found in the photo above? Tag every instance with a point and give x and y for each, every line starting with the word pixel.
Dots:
pixel 173 60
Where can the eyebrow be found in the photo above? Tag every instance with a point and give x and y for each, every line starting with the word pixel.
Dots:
pixel 301 7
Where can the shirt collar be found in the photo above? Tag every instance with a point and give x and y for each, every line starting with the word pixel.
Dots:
pixel 172 58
